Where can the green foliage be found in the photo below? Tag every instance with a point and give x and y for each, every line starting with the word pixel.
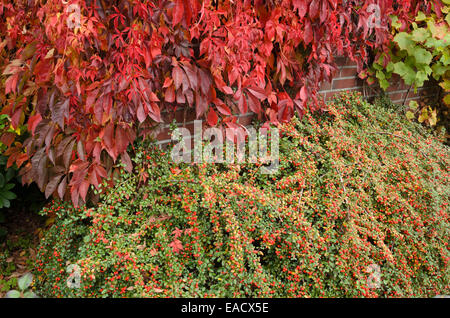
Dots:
pixel 417 54
pixel 358 186
pixel 23 283
pixel 420 52
pixel 6 175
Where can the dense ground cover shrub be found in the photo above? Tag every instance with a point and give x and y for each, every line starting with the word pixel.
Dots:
pixel 86 77
pixel 358 187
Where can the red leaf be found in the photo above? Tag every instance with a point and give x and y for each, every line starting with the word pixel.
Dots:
pixel 257 92
pixel 127 161
pixel 177 232
pixel 308 35
pixel 221 107
pixel 67 155
pixel 140 113
pixel 7 138
pixel 108 136
pixel 167 82
pixel 121 140
pixel 177 75
pixel 303 93
pixel 242 105
pixel 52 185
pixel 201 104
pixel 155 112
pixel 254 104
pixel 33 121
pixel 227 90
pixel 301 6
pixel 212 117
pixel 62 188
pixel 178 11
pixel 314 9
pixel 170 94
pixel 83 189
pixel 176 246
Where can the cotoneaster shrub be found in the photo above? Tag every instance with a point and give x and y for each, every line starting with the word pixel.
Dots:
pixel 357 185
pixel 87 77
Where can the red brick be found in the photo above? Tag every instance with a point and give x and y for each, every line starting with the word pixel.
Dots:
pixel 348 72
pixel 325 86
pixel 345 83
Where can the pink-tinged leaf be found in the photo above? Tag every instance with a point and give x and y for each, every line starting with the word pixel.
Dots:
pixel 80 150
pixel 83 189
pixel 167 82
pixel 314 9
pixel 74 195
pixel 177 232
pixel 205 81
pixel 176 246
pixel 140 113
pixel 301 6
pixel 221 107
pixel 121 140
pixel 299 105
pixel 254 104
pixel 127 162
pixel 62 188
pixel 242 105
pixel 169 95
pixel 303 93
pixel 177 75
pixel 155 112
pixel 201 104
pixel 108 136
pixel 90 99
pixel 324 11
pixel 60 111
pixel 308 34
pixel 153 97
pixel 67 155
pixel 52 185
pixel 258 92
pixel 227 90
pixel 178 11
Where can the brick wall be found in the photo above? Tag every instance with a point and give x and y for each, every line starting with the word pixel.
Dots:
pixel 345 79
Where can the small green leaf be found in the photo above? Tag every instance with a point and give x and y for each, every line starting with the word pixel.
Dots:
pixel 397 25
pixel 25 281
pixel 406 72
pixel 29 294
pixel 9 174
pixel 420 35
pixel 6 203
pixel 404 40
pixel 422 56
pixel 447 99
pixel 413 105
pixel 409 115
pixel 86 238
pixel 12 294
pixel 421 16
pixel 9 195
